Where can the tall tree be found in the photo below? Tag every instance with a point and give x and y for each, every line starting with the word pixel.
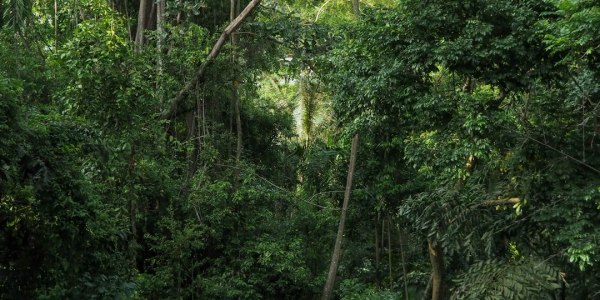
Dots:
pixel 337 249
pixel 335 259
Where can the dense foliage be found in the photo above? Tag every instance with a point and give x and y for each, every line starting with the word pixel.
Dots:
pixel 478 173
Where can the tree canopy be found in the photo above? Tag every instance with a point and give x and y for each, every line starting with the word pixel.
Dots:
pixel 178 149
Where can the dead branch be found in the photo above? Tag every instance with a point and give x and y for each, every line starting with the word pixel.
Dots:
pixel 199 77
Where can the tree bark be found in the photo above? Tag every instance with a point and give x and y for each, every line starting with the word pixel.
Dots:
pixel 427 294
pixel 55 25
pixel 172 111
pixel 355 8
pixel 238 128
pixel 160 12
pixel 389 236
pixel 236 96
pixel 436 252
pixel 509 201
pixel 377 251
pixel 141 26
pixel 160 31
pixel 335 258
pixel 404 272
pixel 437 272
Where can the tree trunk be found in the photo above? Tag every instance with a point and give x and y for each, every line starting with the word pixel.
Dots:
pixel 404 273
pixel 436 252
pixel 437 270
pixel 427 294
pixel 389 236
pixel 232 10
pixel 151 18
pixel 238 127
pixel 160 11
pixel 132 202
pixel 55 25
pixel 355 8
pixel 139 34
pixel 236 96
pixel 335 258
pixel 377 251
pixel 191 136
pixel 563 286
pixel 129 26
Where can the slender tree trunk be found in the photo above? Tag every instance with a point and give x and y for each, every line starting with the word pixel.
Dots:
pixel 355 8
pixel 55 25
pixel 335 259
pixel 190 128
pixel 404 273
pixel 437 270
pixel 389 236
pixel 236 96
pixel 231 129
pixel 191 136
pixel 151 16
pixel 427 294
pixel 377 251
pixel 160 11
pixel 132 217
pixel 382 245
pixel 139 34
pixel 232 11
pixel 337 249
pixel 563 287
pixel 238 127
pixel 129 29
pixel 132 202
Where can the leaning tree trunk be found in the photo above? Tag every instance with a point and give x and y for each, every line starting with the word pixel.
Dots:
pixel 199 77
pixel 335 259
pixel 337 249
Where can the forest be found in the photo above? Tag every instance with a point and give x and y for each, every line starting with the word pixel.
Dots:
pixel 300 149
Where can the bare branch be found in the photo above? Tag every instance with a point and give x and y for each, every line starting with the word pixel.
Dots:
pixel 211 57
pixel 508 201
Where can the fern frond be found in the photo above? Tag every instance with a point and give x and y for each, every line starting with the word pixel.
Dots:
pixel 493 279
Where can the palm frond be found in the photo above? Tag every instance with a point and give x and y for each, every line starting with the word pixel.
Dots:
pixel 16 13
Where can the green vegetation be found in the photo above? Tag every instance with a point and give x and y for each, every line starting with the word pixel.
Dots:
pixel 179 149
